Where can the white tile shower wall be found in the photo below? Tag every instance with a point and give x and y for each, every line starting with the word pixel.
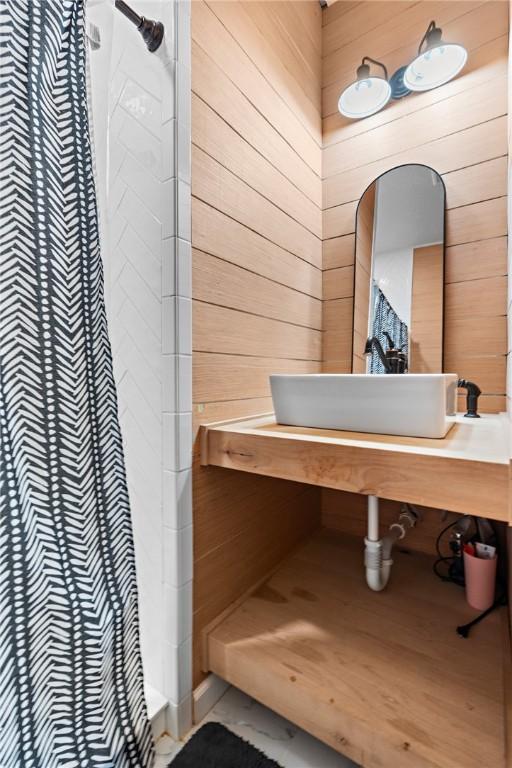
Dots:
pixel 177 418
pixel 147 254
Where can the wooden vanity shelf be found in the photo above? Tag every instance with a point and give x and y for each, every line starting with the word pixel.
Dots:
pixel 381 677
pixel 466 472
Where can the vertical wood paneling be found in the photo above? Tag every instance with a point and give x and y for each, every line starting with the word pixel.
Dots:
pixel 257 269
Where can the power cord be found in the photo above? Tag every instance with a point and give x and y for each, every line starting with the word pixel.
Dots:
pixel 464 629
pixel 455 575
pixel 454 572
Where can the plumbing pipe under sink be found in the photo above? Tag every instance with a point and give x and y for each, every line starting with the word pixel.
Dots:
pixel 377 555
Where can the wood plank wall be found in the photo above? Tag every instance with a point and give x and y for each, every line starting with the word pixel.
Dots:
pixel 263 106
pixel 257 269
pixel 362 281
pixel 460 130
pixel 347 512
pixel 426 336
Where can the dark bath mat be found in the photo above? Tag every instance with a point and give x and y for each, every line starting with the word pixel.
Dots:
pixel 213 746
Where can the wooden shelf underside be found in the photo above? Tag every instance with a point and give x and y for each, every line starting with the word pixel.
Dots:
pixel 381 677
pixel 466 472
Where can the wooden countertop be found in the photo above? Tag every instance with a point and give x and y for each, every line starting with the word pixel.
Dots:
pixel 467 471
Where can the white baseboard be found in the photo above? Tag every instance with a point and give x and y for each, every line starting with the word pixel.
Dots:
pixel 156 704
pixel 207 694
pixel 159 724
pixel 155 701
pixel 179 718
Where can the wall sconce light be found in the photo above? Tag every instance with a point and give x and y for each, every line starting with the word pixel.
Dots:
pixel 368 94
pixel 435 64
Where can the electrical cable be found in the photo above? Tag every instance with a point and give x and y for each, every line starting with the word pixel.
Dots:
pixel 455 576
pixel 449 577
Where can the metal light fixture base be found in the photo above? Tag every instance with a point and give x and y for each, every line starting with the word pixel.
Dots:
pixel 152 33
pixel 398 87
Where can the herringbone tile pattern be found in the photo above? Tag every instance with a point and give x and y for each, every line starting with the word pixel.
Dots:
pixel 146 252
pixel 136 181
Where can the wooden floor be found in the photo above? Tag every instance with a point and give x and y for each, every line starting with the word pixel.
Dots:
pixel 381 677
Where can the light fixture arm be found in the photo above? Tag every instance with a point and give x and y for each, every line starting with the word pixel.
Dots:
pixel 436 63
pixel 363 71
pixel 432 37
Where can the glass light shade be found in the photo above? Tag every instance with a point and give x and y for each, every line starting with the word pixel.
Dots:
pixel 435 67
pixel 364 97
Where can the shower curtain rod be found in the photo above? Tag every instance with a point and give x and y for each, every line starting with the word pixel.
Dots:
pixel 152 31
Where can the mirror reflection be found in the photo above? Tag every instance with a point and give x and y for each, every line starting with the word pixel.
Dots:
pixel 399 269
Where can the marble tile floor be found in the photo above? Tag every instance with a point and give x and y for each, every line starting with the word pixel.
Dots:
pixel 276 737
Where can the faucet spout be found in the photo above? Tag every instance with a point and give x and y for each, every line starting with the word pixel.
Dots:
pixel 393 360
pixel 374 344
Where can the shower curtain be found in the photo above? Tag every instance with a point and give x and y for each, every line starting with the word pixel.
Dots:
pixel 386 319
pixel 71 686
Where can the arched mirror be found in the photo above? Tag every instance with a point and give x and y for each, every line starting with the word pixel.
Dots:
pixel 399 272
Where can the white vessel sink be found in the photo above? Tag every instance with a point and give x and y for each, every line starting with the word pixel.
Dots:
pixel 411 404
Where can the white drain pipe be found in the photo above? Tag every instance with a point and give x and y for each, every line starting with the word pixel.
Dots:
pixel 377 554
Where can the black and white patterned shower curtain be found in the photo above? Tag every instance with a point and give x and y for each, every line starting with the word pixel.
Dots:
pixel 71 687
pixel 385 319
